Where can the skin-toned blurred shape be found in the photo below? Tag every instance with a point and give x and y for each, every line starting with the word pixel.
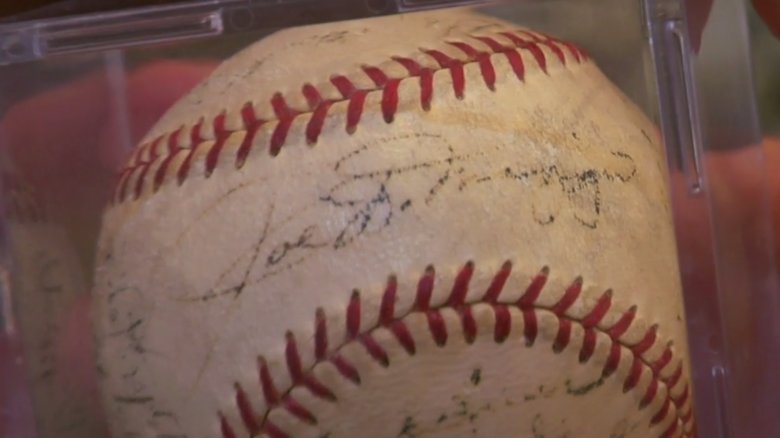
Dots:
pixel 64 146
pixel 699 11
pixel 769 10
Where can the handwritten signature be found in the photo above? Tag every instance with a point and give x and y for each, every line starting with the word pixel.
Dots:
pixel 370 200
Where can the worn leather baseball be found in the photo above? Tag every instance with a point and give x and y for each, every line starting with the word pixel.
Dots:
pixel 427 225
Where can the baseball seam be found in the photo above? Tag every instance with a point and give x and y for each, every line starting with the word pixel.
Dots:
pixel 174 154
pixel 160 154
pixel 663 371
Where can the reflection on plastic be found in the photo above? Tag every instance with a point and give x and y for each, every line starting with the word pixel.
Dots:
pixel 688 115
pixel 719 376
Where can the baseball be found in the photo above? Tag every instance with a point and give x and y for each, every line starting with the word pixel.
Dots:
pixel 435 224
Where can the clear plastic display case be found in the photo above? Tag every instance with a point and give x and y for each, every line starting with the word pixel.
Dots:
pixel 79 92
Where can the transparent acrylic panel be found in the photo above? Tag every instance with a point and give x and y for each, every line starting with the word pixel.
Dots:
pixel 736 325
pixel 79 94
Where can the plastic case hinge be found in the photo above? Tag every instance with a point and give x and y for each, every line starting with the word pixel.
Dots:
pixel 679 113
pixel 412 5
pixel 33 40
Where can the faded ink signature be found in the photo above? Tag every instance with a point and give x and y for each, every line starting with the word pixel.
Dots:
pixel 370 200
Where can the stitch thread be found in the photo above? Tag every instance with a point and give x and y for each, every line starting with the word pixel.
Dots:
pixel 508 44
pixel 258 423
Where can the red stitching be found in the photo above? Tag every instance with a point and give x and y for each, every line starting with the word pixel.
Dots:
pixel 195 134
pixel 424 290
pixel 256 424
pixel 646 342
pixel 534 289
pixel 598 311
pixel 514 58
pixel 387 309
pixel 577 52
pixel 497 285
pixel 156 144
pixel 675 376
pixel 588 345
pixel 650 394
pixel 224 427
pixel 314 127
pixel 554 47
pixel 456 68
pixel 623 324
pixel 375 350
pixel 633 376
pixel 159 176
pixel 483 58
pixel 319 389
pixel 569 297
pixel 390 100
pixel 564 335
pixel 503 323
pixel 273 430
pixel 221 135
pixel 682 397
pixel 312 95
pixel 284 116
pixel 401 332
pixel 461 286
pixel 181 174
pixel 246 411
pixel 509 44
pixel 267 384
pixel 665 358
pixel 671 430
pixel 469 324
pixel 252 124
pixel 663 412
pixel 531 328
pixel 376 74
pixel 294 367
pixel 688 416
pixel 612 360
pixel 320 335
pixel 139 183
pixel 346 369
pixel 532 47
pixel 353 315
pixel 437 327
pixel 426 79
pixel 298 410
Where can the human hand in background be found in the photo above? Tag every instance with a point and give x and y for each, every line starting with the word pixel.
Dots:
pixel 699 11
pixel 738 166
pixel 69 139
pixel 63 146
pixel 769 10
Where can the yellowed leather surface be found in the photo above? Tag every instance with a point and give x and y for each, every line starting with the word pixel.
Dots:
pixel 206 284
